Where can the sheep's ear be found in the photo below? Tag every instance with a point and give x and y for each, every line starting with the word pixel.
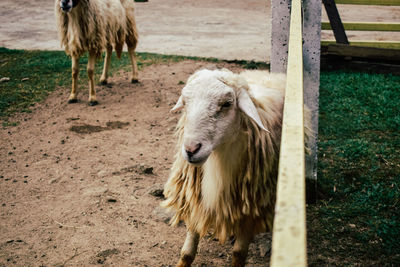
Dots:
pixel 178 106
pixel 247 106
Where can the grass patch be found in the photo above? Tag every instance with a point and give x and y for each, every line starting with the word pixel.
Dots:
pixel 358 221
pixel 33 74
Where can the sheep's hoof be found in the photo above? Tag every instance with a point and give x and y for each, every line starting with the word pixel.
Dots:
pixel 135 81
pixel 103 82
pixel 238 259
pixel 93 103
pixel 185 261
pixel 71 101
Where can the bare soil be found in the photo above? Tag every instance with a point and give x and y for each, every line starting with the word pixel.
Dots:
pixel 224 29
pixel 178 27
pixel 82 185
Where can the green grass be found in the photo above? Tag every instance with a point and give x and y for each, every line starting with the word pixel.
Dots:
pixel 358 170
pixel 356 222
pixel 47 70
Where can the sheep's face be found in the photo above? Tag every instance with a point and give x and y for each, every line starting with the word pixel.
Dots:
pixel 67 5
pixel 212 118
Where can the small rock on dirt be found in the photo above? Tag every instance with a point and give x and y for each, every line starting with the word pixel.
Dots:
pixel 264 248
pixel 54 180
pixel 147 170
pixel 102 174
pixel 111 200
pixel 157 191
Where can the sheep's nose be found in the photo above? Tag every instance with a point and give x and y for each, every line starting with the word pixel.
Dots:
pixel 192 149
pixel 65 5
pixel 65 8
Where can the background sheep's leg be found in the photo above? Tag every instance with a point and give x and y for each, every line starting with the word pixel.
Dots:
pixel 189 249
pixel 132 56
pixel 90 72
pixel 107 61
pixel 241 246
pixel 75 73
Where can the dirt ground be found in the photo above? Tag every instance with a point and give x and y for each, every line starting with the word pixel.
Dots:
pixel 80 185
pixel 224 29
pixel 179 27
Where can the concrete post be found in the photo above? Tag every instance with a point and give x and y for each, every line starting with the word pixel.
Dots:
pixel 280 22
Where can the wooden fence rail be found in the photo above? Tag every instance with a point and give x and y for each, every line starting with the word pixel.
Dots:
pixel 366 26
pixel 289 233
pixel 369 2
pixel 339 28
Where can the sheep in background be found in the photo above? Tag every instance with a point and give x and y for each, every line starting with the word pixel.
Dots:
pixel 224 175
pixel 96 26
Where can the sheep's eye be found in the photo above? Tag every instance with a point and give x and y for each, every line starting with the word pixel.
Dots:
pixel 227 104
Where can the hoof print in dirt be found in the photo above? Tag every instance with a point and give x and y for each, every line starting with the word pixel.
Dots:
pixel 162 215
pixel 102 256
pixel 93 103
pixel 72 101
pixel 140 169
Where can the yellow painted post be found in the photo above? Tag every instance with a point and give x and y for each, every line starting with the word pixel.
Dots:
pixel 289 233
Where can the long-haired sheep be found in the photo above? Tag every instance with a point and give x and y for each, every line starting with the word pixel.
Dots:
pixel 224 175
pixel 96 26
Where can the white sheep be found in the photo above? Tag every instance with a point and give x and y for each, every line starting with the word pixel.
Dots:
pixel 224 175
pixel 96 26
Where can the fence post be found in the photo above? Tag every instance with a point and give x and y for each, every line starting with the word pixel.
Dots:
pixel 289 232
pixel 280 16
pixel 311 57
pixel 280 21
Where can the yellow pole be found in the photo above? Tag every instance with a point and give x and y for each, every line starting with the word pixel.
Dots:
pixel 289 233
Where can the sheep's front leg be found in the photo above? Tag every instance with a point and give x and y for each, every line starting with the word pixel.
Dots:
pixel 90 72
pixel 241 246
pixel 189 249
pixel 107 60
pixel 75 74
pixel 132 56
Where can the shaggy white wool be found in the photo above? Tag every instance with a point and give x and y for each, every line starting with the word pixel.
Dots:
pixel 233 177
pixel 94 24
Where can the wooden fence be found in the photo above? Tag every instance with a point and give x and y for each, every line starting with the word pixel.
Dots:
pixel 289 233
pixel 339 28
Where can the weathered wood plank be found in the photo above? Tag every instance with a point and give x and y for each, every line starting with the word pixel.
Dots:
pixel 335 21
pixel 367 43
pixel 366 26
pixel 389 55
pixel 370 2
pixel 289 234
pixel 332 62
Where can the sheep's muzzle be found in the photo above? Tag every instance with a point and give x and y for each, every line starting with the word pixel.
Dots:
pixel 67 5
